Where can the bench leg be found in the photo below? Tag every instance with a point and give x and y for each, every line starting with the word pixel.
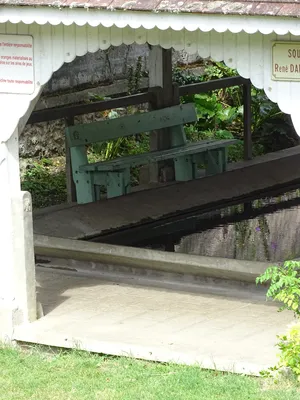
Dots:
pixel 198 160
pixel 225 158
pixel 215 164
pixel 84 187
pixel 184 168
pixel 118 183
pixel 127 182
pixel 97 192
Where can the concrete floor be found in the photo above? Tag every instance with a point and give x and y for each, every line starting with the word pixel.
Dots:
pixel 229 328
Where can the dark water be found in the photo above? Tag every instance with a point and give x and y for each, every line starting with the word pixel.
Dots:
pixel 263 230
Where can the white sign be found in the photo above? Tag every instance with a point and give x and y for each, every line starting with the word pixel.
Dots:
pixel 16 64
pixel 286 61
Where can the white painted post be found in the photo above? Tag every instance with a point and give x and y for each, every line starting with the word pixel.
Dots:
pixel 17 267
pixel 24 268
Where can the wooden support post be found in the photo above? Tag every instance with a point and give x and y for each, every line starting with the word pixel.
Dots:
pixel 160 75
pixel 247 121
pixel 71 190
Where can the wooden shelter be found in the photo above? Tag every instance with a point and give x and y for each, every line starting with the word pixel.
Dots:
pixel 258 38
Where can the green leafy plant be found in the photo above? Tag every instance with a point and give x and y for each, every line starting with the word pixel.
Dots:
pixel 222 110
pixel 242 234
pixel 182 78
pixel 289 346
pixel 220 115
pixel 284 285
pixel 219 112
pixel 45 182
pixel 135 75
pixel 288 366
pixel 212 114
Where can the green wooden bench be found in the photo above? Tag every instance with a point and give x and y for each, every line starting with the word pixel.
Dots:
pixel 115 174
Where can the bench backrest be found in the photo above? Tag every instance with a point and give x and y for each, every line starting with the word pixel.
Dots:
pixel 102 131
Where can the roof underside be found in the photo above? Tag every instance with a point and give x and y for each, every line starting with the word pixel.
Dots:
pixel 283 8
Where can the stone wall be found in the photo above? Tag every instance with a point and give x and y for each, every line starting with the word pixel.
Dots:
pixel 273 237
pixel 94 69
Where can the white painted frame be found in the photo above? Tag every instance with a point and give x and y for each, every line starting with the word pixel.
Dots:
pixel 56 43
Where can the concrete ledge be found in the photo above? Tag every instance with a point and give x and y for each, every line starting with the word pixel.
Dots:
pixel 211 267
pixel 10 317
pixel 159 353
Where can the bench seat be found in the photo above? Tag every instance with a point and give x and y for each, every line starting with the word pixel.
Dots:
pixel 115 174
pixel 191 149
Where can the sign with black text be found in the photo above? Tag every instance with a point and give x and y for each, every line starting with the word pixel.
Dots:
pixel 286 61
pixel 16 64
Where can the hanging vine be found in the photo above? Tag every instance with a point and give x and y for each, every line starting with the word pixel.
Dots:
pixel 242 231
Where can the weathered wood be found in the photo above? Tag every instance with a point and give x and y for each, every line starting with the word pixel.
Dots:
pixel 266 176
pixel 160 75
pixel 101 131
pixel 81 109
pixel 160 155
pixel 116 184
pixel 216 162
pixel 54 113
pixel 117 179
pixel 247 121
pixel 83 180
pixel 71 189
pixel 215 84
pixel 116 173
pixel 184 168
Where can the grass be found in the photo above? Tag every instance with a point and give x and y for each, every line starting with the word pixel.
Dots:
pixel 74 375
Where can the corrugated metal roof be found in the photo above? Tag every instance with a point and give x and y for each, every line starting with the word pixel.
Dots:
pixel 285 8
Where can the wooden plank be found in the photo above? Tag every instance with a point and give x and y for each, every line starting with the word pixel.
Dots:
pixel 81 109
pixel 203 87
pixel 102 131
pixel 155 156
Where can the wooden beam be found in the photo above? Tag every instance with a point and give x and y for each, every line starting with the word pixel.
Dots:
pixel 52 114
pixel 71 189
pixel 215 84
pixel 247 121
pixel 160 75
